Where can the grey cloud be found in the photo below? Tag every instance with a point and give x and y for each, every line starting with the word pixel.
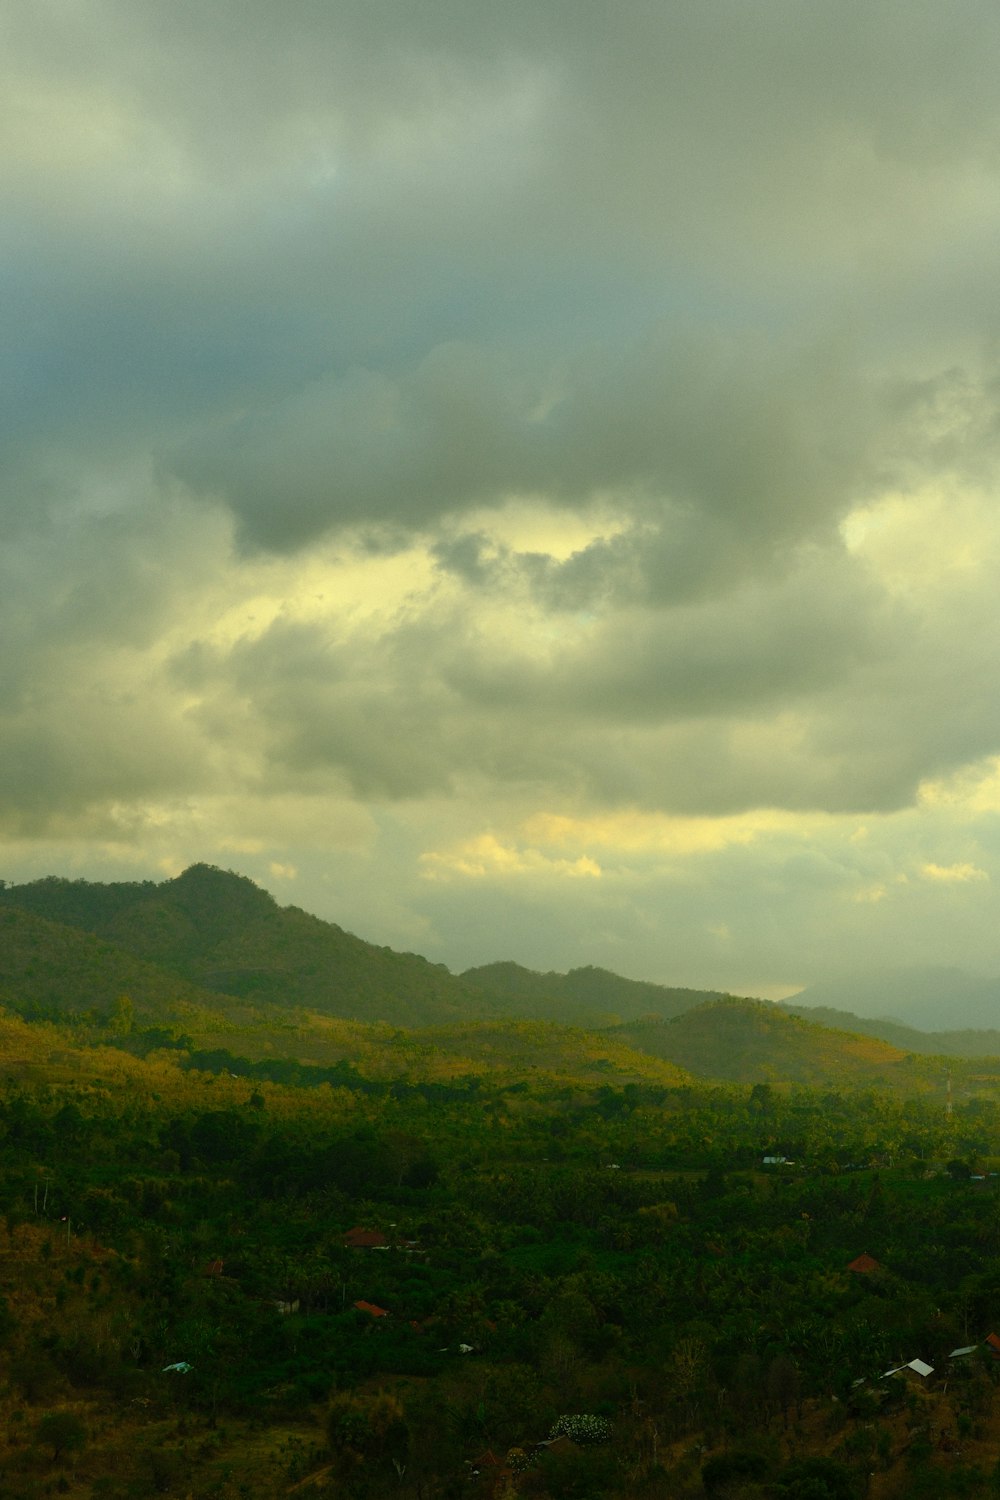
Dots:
pixel 87 722
pixel 302 262
pixel 757 649
pixel 372 265
pixel 648 709
pixel 772 443
pixel 809 692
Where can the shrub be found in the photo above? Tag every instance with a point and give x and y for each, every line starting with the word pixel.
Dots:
pixel 582 1429
pixel 62 1431
pixel 728 1468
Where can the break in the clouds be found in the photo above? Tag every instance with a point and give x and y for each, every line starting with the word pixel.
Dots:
pixel 523 478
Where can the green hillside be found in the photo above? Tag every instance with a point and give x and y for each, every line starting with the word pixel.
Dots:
pixel 516 1048
pixel 588 995
pixel 53 971
pixel 218 931
pixel 212 954
pixel 970 1043
pixel 748 1041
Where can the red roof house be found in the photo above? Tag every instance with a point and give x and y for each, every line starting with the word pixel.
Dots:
pixel 371 1309
pixel 864 1265
pixel 365 1239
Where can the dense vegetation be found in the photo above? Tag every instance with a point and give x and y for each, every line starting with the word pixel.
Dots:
pixel 574 1277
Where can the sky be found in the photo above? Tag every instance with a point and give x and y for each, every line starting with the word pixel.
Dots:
pixel 518 481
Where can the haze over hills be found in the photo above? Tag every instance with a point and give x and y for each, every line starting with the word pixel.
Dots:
pixel 930 999
pixel 960 1043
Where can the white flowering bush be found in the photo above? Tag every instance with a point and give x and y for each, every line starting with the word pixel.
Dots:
pixel 584 1430
pixel 518 1460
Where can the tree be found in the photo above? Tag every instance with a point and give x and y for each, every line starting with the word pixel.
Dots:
pixel 62 1431
pixel 816 1479
pixel 368 1436
pixel 782 1384
pixel 734 1469
pixel 121 1018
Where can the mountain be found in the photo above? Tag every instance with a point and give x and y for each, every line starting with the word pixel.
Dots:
pixel 588 996
pixel 931 999
pixel 936 1043
pixel 752 1041
pixel 212 954
pixel 219 932
pixel 51 970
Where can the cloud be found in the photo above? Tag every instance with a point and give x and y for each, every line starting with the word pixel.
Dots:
pixel 953 874
pixel 434 419
pixel 486 856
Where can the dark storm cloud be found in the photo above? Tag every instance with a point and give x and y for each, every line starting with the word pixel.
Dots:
pixel 332 267
pixel 766 444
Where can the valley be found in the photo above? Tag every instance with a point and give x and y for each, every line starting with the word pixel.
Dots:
pixel 329 1232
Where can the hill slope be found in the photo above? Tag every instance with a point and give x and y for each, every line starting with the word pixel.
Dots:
pixel 54 971
pixel 748 1041
pixel 928 998
pixel 934 1043
pixel 214 952
pixel 219 932
pixel 589 995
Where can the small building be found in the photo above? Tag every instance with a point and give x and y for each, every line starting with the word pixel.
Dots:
pixel 487 1460
pixel 916 1369
pixel 365 1239
pixel 372 1310
pixel 992 1343
pixel 559 1446
pixel 864 1265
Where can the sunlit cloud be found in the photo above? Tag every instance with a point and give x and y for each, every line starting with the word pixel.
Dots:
pixel 486 857
pixel 953 874
pixel 633 832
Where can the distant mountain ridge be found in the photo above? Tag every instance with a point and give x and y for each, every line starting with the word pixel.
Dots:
pixel 929 998
pixel 590 991
pixel 967 1043
pixel 221 934
pixel 213 954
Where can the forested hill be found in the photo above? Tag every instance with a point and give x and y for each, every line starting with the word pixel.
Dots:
pixel 52 971
pixel 588 995
pixel 219 932
pixel 747 1041
pixel 211 941
pixel 968 1043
